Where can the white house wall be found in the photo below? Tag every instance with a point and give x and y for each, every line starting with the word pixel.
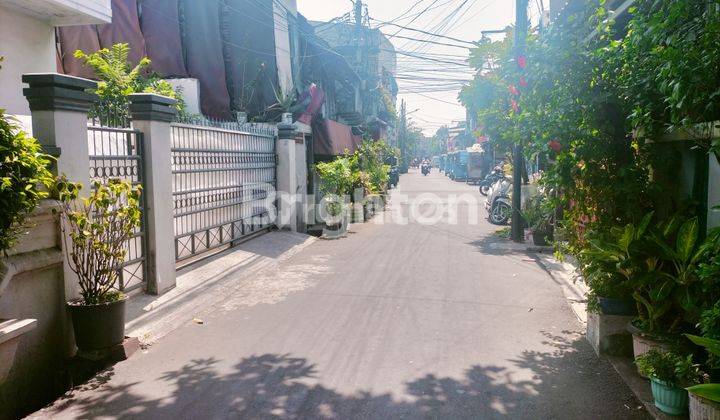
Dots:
pixel 27 40
pixel 64 12
pixel 28 45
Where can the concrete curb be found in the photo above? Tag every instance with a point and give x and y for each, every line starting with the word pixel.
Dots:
pixel 206 283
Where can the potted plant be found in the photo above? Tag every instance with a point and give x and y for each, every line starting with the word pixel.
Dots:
pixel 538 217
pixel 670 293
pixel 335 215
pixel 285 98
pixel 669 372
pixel 705 398
pixel 610 263
pixel 337 180
pixel 95 232
pixel 371 204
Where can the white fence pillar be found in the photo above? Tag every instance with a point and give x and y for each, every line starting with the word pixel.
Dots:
pixel 151 115
pixel 59 105
pixel 286 178
pixel 301 174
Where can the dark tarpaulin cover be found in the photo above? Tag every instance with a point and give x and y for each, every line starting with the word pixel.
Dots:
pixel 160 25
pixel 203 45
pixel 331 138
pixel 249 52
pixel 72 38
pixel 125 28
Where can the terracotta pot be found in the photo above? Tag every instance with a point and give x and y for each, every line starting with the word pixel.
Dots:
pixel 643 343
pixel 703 409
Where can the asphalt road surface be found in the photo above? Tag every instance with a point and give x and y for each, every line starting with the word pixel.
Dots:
pixel 415 320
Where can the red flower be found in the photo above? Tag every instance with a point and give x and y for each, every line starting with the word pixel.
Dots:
pixel 523 82
pixel 515 105
pixel 513 90
pixel 555 145
pixel 522 61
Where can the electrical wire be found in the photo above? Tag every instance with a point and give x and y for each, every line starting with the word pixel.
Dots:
pixel 472 43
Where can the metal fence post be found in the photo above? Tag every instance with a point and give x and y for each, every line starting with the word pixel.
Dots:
pixel 151 115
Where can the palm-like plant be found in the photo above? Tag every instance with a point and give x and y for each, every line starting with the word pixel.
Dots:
pixel 118 79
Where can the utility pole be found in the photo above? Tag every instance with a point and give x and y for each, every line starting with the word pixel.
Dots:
pixel 358 9
pixel 521 31
pixel 402 133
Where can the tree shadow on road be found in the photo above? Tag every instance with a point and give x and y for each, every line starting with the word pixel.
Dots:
pixel 567 381
pixel 495 245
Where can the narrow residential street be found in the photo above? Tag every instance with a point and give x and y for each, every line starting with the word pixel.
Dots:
pixel 393 321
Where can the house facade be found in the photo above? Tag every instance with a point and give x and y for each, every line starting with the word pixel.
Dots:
pixel 374 59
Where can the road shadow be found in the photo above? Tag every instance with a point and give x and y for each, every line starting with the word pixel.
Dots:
pixel 495 245
pixel 567 381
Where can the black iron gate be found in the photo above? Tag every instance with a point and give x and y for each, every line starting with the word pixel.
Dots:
pixel 118 153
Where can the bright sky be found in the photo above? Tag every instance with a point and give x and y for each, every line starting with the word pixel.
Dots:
pixel 429 86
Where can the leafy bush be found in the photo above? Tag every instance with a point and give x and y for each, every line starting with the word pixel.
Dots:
pixel 24 178
pixel 370 161
pixel 710 391
pixel 709 326
pixel 672 368
pixel 98 228
pixel 657 263
pixel 667 63
pixel 710 322
pixel 537 212
pixel 337 176
pixel 118 79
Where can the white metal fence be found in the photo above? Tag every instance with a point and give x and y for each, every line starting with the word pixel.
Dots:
pixel 221 172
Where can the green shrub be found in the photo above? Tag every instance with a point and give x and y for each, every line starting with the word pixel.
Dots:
pixel 24 178
pixel 537 212
pixel 672 368
pixel 97 229
pixel 118 79
pixel 370 162
pixel 337 176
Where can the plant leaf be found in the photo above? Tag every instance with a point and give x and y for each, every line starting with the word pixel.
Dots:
pixel 712 346
pixel 643 225
pixel 707 391
pixel 686 239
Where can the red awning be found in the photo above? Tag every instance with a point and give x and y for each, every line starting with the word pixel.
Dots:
pixel 330 138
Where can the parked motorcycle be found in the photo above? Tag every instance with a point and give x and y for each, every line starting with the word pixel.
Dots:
pixel 394 176
pixel 498 203
pixel 425 168
pixel 490 179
